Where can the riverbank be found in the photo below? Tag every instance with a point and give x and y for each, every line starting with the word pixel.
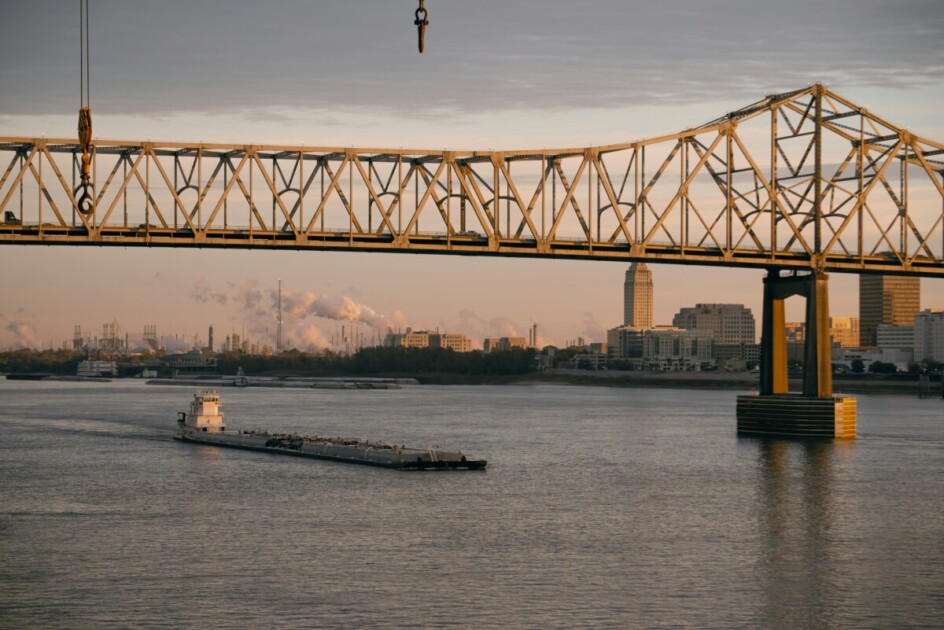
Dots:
pixel 900 384
pixel 897 384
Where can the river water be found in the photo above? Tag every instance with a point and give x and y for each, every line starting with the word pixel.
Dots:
pixel 600 508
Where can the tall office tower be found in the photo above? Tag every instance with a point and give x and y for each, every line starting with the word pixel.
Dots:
pixel 892 300
pixel 637 296
pixel 210 344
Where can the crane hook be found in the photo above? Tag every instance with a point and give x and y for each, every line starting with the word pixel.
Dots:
pixel 85 202
pixel 421 21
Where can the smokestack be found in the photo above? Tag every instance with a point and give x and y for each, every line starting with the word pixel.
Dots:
pixel 278 334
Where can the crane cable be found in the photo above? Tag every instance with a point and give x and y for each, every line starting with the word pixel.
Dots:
pixel 84 191
pixel 421 21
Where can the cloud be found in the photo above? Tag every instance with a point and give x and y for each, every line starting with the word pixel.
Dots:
pixel 249 297
pixel 202 293
pixel 491 55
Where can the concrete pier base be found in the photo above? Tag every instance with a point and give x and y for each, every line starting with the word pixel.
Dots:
pixel 786 415
pixel 775 412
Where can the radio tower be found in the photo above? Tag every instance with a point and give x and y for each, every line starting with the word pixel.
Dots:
pixel 278 333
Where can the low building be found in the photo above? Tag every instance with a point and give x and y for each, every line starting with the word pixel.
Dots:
pixel 868 356
pixel 844 331
pixel 624 342
pixel 426 339
pixel 666 348
pixel 728 323
pixel 731 353
pixel 454 341
pixel 588 361
pixel 409 339
pixel 890 337
pixel 491 344
pixel 929 336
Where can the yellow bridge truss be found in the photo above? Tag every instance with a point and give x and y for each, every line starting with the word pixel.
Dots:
pixel 803 180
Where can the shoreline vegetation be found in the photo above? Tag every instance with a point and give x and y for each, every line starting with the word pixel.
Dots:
pixel 434 366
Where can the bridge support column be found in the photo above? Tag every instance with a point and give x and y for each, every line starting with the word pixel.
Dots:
pixel 775 411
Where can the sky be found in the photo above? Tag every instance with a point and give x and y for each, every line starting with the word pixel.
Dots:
pixel 502 75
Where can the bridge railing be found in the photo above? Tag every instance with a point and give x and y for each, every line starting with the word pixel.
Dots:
pixel 805 179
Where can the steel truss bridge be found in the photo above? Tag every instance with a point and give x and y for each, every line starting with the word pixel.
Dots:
pixel 801 180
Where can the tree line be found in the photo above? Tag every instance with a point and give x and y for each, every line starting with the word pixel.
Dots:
pixel 381 360
pixel 373 360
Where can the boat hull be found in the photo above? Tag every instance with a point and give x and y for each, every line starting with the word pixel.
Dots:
pixel 403 459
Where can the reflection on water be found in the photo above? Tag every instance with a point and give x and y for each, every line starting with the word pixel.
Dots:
pixel 796 524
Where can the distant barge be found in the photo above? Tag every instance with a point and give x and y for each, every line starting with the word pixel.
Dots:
pixel 203 424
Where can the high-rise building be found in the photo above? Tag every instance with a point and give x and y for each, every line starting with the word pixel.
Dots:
pixel 637 296
pixel 210 336
pixel 730 323
pixel 891 300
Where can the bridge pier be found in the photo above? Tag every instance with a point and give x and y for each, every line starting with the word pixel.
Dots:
pixel 815 412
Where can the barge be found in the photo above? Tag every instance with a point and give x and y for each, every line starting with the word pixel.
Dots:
pixel 203 424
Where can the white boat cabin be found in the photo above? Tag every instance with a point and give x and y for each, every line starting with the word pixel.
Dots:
pixel 204 415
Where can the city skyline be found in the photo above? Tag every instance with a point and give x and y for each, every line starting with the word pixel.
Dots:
pixel 346 324
pixel 311 318
pixel 199 73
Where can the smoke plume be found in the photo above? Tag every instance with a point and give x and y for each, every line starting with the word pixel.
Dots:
pixel 19 330
pixel 308 304
pixel 306 316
